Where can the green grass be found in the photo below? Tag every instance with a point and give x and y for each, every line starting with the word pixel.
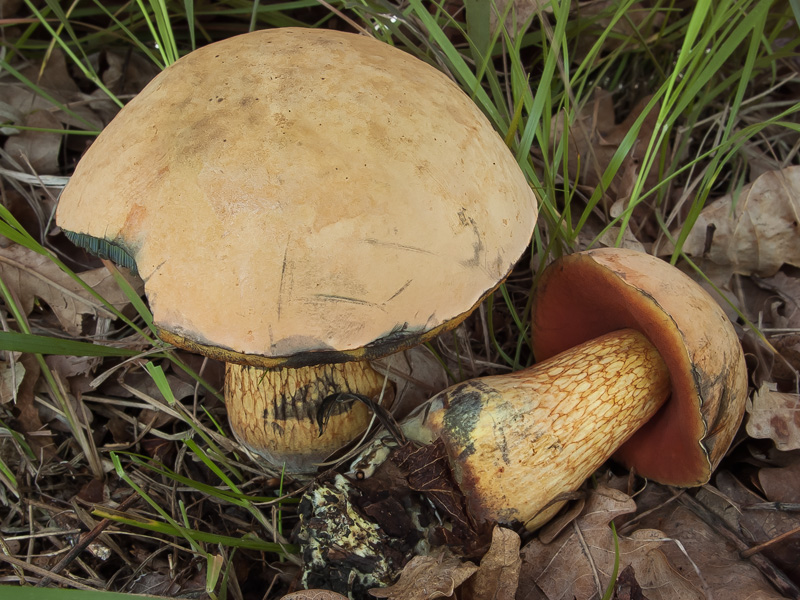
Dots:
pixel 711 74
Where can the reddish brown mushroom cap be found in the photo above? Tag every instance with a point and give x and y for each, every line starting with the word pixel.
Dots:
pixel 588 294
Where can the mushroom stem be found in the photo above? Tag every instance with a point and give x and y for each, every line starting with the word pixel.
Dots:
pixel 517 441
pixel 274 411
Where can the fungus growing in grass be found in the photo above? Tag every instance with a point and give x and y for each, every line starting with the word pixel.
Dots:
pixel 299 202
pixel 637 361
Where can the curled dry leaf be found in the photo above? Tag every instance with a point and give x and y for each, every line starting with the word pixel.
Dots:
pixel 125 74
pixel 426 577
pixel 11 375
pixel 775 415
pixel 314 595
pixel 498 575
pixel 30 276
pixel 755 231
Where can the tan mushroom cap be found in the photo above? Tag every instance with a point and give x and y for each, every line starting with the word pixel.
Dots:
pixel 304 192
pixel 587 294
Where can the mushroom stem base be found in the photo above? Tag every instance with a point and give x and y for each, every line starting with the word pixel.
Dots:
pixel 274 411
pixel 517 441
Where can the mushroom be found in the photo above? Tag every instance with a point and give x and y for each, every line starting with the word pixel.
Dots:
pixel 637 361
pixel 299 202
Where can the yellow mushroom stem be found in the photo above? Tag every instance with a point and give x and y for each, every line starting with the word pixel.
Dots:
pixel 517 441
pixel 274 411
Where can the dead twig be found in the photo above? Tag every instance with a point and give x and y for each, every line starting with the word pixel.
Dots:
pixel 758 548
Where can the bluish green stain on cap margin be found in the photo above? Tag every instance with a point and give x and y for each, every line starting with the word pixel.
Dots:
pixel 113 251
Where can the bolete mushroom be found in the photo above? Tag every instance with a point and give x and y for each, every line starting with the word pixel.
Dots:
pixel 299 202
pixel 636 361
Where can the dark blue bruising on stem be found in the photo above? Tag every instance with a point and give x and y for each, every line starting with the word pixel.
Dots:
pixel 465 403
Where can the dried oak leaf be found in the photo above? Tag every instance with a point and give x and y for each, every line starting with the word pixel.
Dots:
pixel 30 276
pixel 498 575
pixel 774 415
pixel 755 231
pixel 426 577
pixel 579 562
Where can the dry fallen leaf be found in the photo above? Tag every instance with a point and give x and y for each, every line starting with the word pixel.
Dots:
pixel 125 73
pixel 39 149
pixel 781 484
pixel 518 15
pixel 774 302
pixel 27 412
pixel 30 276
pixel 11 375
pixel 498 574
pixel 579 562
pixel 757 235
pixel 699 554
pixel 774 415
pixel 627 588
pixel 594 138
pixel 641 21
pixel 56 80
pixel 721 568
pixel 426 577
pixel 756 526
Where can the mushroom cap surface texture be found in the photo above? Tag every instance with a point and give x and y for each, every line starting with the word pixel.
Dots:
pixel 588 294
pixel 298 196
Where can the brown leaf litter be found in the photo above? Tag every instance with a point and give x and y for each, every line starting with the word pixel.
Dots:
pixel 752 231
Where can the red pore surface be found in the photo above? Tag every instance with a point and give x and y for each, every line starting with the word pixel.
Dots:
pixel 587 294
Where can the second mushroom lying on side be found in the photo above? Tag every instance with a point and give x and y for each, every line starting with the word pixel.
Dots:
pixel 637 362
